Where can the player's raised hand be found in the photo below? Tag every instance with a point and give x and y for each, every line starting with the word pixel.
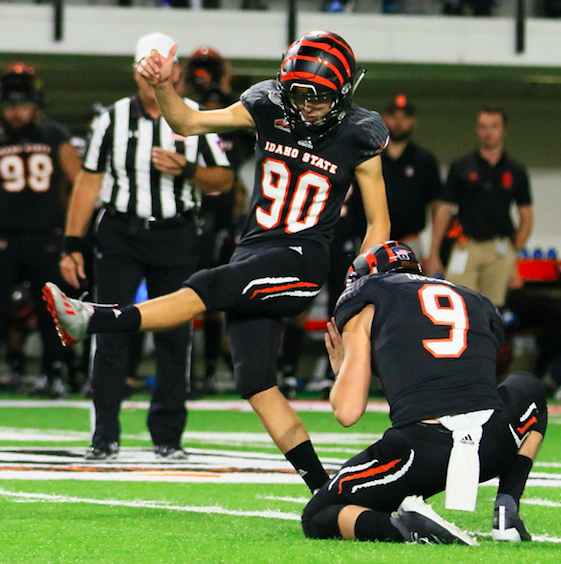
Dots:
pixel 156 68
pixel 334 346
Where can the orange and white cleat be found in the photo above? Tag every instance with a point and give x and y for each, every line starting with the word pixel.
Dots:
pixel 71 316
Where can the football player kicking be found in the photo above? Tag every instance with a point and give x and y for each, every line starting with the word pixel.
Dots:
pixel 311 143
pixel 434 347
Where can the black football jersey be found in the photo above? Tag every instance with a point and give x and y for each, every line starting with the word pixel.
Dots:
pixel 300 184
pixel 30 176
pixel 434 345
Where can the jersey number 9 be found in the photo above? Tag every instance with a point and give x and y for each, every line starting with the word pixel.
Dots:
pixel 454 313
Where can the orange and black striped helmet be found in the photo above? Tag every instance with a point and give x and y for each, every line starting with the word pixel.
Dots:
pixel 387 256
pixel 320 66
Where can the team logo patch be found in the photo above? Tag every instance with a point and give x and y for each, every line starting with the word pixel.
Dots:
pixel 282 124
pixel 507 180
pixel 306 143
pixel 275 97
pixel 402 254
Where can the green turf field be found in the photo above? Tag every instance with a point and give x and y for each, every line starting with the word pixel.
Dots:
pixel 234 501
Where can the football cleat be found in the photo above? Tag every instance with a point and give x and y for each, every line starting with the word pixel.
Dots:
pixel 103 451
pixel 508 526
pixel 71 316
pixel 419 523
pixel 170 452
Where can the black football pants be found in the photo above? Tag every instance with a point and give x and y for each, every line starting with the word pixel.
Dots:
pixel 126 254
pixel 31 256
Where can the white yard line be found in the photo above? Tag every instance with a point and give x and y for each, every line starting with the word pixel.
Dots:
pixel 25 497
pixel 215 509
pixel 538 501
pixel 288 499
pixel 198 405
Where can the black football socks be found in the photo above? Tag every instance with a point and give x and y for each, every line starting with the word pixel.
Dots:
pixel 307 464
pixel 512 482
pixel 114 320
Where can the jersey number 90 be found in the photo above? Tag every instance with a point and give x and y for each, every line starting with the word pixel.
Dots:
pixel 275 181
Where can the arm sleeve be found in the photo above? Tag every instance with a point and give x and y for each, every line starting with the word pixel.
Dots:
pixel 374 137
pixel 351 302
pixel 523 195
pixel 497 326
pixel 450 190
pixel 433 188
pixel 259 97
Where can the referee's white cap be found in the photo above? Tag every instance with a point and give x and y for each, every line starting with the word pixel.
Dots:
pixel 159 41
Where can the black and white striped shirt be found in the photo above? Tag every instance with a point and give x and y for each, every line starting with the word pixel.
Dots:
pixel 120 145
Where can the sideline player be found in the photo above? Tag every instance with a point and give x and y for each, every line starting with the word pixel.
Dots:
pixel 311 143
pixel 36 162
pixel 434 345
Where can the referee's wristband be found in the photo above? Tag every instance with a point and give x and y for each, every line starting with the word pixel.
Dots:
pixel 73 245
pixel 189 170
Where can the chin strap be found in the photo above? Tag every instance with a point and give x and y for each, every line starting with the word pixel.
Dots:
pixel 357 79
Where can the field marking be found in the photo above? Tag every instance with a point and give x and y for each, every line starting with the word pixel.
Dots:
pixel 243 406
pixel 214 509
pixel 203 465
pixel 289 499
pixel 538 501
pixel 25 497
pixel 250 440
pixel 535 538
pixel 322 406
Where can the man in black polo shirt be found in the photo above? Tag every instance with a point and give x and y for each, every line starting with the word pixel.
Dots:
pixel 411 173
pixel 483 185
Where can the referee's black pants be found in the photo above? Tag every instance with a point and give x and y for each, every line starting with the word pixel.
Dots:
pixel 127 252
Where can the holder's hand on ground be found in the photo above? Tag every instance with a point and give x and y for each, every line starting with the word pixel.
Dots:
pixel 168 162
pixel 157 69
pixel 334 346
pixel 72 269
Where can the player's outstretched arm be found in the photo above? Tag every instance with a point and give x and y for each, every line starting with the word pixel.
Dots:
pixel 82 201
pixel 349 394
pixel 157 71
pixel 373 191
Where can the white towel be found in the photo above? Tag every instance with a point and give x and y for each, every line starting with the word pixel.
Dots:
pixel 462 479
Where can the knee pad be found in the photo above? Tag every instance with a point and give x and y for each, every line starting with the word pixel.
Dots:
pixel 254 377
pixel 322 524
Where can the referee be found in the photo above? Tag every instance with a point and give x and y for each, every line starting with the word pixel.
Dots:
pixel 146 177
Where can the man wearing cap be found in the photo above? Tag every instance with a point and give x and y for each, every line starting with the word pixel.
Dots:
pixel 411 173
pixel 35 159
pixel 483 185
pixel 148 179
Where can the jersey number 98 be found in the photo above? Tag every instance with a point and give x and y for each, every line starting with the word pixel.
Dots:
pixel 38 177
